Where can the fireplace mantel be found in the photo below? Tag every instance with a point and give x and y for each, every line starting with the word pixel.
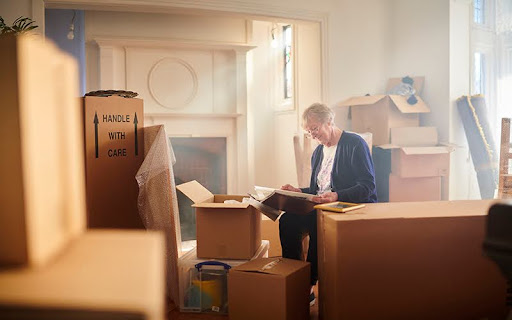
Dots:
pixel 194 88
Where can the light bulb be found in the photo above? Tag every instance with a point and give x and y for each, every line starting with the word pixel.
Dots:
pixel 71 33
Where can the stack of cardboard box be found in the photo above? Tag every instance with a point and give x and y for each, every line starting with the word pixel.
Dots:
pixel 420 167
pixel 224 231
pixel 227 231
pixel 410 165
pixel 51 267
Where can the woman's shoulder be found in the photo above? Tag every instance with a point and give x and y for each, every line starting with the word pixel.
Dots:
pixel 351 138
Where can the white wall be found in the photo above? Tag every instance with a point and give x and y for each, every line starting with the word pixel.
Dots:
pixel 130 25
pixel 10 9
pixel 420 47
pixel 359 49
pixel 464 184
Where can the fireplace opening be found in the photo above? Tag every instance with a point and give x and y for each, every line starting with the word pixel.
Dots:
pixel 204 160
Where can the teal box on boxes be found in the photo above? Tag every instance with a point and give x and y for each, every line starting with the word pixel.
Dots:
pixel 203 282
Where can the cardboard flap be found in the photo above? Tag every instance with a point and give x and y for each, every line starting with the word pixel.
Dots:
pixel 275 266
pixel 414 136
pixel 360 101
pixel 388 146
pixel 417 84
pixel 404 107
pixel 425 150
pixel 221 205
pixel 195 192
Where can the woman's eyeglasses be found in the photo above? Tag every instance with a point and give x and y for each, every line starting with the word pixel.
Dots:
pixel 313 131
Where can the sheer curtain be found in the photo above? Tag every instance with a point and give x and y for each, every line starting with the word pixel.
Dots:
pixel 504 44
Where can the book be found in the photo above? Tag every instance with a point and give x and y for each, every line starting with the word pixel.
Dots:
pixel 284 200
pixel 339 206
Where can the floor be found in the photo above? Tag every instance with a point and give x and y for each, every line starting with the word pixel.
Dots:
pixel 176 315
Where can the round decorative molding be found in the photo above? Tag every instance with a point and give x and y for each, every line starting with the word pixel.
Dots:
pixel 172 82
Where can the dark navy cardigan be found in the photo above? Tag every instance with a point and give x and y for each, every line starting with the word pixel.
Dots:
pixel 353 176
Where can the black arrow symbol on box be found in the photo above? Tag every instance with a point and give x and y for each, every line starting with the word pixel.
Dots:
pixel 96 134
pixel 135 121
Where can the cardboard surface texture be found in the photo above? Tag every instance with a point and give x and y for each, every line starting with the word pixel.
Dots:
pixel 42 203
pixel 204 289
pixel 378 113
pixel 270 231
pixel 223 230
pixel 103 274
pixel 414 260
pixel 114 151
pixel 416 153
pixel 414 189
pixel 271 288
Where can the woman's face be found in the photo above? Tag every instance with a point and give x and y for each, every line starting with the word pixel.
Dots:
pixel 321 132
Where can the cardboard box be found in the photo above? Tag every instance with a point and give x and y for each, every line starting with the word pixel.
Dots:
pixel 414 189
pixel 378 113
pixel 411 260
pixel 382 165
pixel 223 230
pixel 272 288
pixel 204 288
pixel 416 153
pixel 42 203
pixel 270 231
pixel 101 275
pixel 114 151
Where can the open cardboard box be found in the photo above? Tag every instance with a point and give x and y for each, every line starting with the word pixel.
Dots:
pixel 269 288
pixel 223 230
pixel 420 166
pixel 417 153
pixel 378 113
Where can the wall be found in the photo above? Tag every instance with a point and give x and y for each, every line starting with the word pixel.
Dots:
pixel 359 50
pixel 464 183
pixel 57 27
pixel 130 25
pixel 10 10
pixel 420 47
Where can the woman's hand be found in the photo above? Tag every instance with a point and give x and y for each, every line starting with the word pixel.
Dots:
pixel 326 197
pixel 289 187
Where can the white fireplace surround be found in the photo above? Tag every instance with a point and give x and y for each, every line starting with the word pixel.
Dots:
pixel 194 89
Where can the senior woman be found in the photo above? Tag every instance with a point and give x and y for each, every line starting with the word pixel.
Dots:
pixel 342 170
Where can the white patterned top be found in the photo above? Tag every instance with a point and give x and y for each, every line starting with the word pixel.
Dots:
pixel 324 175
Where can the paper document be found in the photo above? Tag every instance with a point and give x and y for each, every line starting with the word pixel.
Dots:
pixel 284 200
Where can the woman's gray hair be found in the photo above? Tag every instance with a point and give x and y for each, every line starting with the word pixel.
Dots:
pixel 319 112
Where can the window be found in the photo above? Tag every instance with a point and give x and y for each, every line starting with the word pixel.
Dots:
pixel 282 46
pixel 479 11
pixel 479 73
pixel 287 62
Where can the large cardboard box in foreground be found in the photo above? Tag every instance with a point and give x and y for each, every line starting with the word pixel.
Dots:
pixel 114 151
pixel 42 202
pixel 410 260
pixel 104 274
pixel 223 230
pixel 378 113
pixel 271 288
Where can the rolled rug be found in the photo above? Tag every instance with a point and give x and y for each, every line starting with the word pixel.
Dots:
pixel 472 111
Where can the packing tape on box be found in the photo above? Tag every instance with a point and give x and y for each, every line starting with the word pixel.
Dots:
pixel 271 264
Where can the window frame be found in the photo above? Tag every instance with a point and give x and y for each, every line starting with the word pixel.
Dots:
pixel 282 103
